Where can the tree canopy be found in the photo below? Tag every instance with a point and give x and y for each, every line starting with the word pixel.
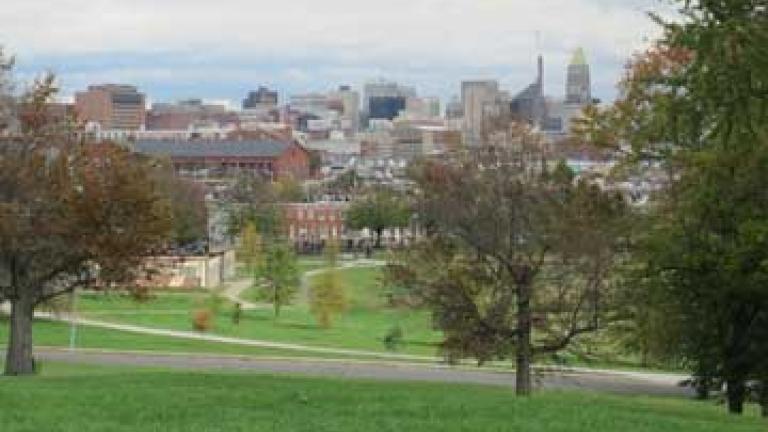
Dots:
pixel 378 210
pixel 696 105
pixel 72 213
pixel 516 261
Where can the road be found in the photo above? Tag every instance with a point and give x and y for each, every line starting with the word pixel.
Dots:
pixel 617 382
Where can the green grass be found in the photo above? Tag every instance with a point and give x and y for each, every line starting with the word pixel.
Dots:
pixel 362 327
pixel 54 334
pixel 99 398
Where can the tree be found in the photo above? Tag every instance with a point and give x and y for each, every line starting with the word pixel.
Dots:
pixel 705 259
pixel 281 274
pixel 187 200
pixel 378 210
pixel 254 199
pixel 287 190
pixel 71 213
pixel 514 263
pixel 696 105
pixel 326 295
pixel 250 251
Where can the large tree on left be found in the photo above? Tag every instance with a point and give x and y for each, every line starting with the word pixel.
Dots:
pixel 72 213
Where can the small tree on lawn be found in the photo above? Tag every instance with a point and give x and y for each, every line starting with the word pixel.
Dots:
pixel 326 297
pixel 281 274
pixel 71 213
pixel 250 252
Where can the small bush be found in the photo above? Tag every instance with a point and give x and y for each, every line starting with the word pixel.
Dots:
pixel 202 320
pixel 394 338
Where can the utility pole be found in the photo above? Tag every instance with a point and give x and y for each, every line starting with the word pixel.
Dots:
pixel 73 320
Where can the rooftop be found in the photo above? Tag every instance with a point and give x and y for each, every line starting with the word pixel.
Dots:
pixel 247 148
pixel 579 58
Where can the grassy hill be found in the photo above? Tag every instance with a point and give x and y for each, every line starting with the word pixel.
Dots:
pixel 87 398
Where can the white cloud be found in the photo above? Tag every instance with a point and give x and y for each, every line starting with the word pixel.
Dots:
pixel 482 31
pixel 358 35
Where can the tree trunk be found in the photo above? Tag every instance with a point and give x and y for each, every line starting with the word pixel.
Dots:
pixel 523 385
pixel 276 301
pixel 763 398
pixel 702 385
pixel 736 393
pixel 379 232
pixel 18 360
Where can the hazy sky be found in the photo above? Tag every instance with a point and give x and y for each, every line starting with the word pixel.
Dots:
pixel 219 49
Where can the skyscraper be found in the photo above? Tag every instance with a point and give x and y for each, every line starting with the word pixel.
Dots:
pixel 261 98
pixel 578 85
pixel 529 105
pixel 476 98
pixel 112 106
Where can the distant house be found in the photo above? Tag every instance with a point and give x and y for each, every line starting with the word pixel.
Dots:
pixel 219 158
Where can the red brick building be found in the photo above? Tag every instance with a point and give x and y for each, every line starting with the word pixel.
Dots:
pixel 272 159
pixel 314 221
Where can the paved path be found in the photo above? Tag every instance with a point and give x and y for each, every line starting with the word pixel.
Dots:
pixel 603 381
pixel 234 289
pixel 229 340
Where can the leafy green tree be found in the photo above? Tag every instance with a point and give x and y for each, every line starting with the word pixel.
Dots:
pixel 515 263
pixel 378 210
pixel 326 296
pixel 696 105
pixel 705 259
pixel 281 274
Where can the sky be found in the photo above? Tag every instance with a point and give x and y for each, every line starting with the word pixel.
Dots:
pixel 218 50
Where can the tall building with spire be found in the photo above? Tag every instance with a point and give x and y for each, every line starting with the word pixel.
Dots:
pixel 529 105
pixel 578 84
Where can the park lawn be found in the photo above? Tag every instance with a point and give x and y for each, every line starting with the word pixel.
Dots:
pixel 70 398
pixel 57 334
pixel 363 327
pixel 363 330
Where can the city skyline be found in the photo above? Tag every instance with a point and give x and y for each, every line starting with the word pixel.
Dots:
pixel 174 52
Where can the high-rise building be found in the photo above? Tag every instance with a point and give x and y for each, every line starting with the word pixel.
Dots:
pixel 529 105
pixel 261 98
pixel 454 109
pixel 112 106
pixel 477 97
pixel 578 85
pixel 350 107
pixel 385 107
pixel 385 89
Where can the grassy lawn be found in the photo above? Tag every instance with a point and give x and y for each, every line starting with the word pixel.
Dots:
pixel 362 327
pixel 87 398
pixel 54 334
